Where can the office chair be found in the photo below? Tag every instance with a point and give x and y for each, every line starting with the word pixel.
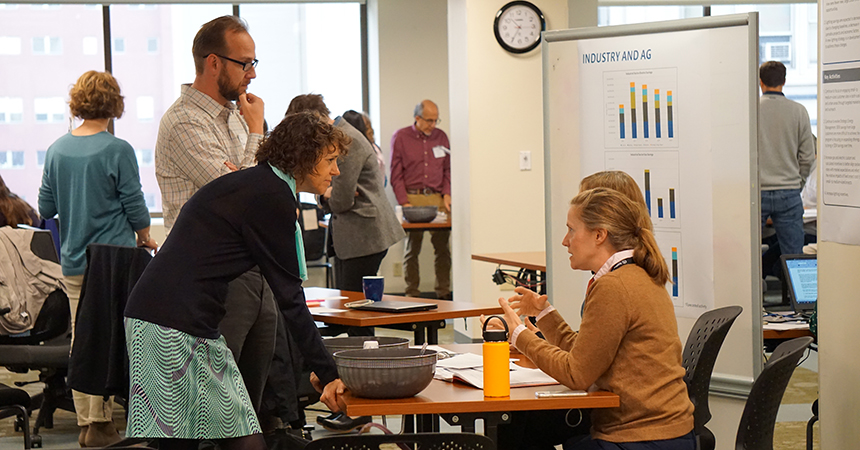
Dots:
pixel 15 402
pixel 45 349
pixel 418 441
pixel 316 242
pixel 700 355
pixel 755 431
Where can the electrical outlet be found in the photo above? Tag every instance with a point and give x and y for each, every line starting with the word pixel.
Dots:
pixel 506 287
pixel 526 160
pixel 397 268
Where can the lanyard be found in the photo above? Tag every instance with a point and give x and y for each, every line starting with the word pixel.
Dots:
pixel 623 262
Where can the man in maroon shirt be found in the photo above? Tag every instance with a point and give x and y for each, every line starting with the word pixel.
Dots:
pixel 421 176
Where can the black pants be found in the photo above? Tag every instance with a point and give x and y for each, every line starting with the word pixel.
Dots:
pixel 348 274
pixel 685 442
pixel 543 430
pixel 249 328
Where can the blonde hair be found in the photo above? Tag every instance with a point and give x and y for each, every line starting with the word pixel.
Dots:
pixel 613 179
pixel 627 227
pixel 96 95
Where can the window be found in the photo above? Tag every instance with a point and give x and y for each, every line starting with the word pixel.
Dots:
pixel 11 109
pixel 49 110
pixel 90 45
pixel 145 108
pixel 623 15
pixel 10 45
pixel 119 46
pixel 144 158
pixel 12 160
pixel 47 45
pixel 152 45
pixel 40 157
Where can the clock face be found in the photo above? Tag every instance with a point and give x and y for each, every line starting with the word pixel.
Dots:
pixel 518 26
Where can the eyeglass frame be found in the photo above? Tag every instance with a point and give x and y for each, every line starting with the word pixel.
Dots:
pixel 245 65
pixel 435 122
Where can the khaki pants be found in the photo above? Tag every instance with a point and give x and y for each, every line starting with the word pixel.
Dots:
pixel 439 239
pixel 88 408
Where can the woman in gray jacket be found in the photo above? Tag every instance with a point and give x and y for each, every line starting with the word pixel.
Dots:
pixel 363 224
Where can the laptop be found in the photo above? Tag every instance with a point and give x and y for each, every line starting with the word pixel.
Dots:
pixel 396 306
pixel 801 275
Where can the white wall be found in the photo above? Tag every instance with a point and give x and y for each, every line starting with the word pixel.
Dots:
pixel 838 335
pixel 408 62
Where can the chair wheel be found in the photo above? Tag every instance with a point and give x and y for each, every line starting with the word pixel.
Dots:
pixel 36 441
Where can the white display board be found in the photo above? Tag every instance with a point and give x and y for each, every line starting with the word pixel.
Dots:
pixel 673 104
pixel 839 129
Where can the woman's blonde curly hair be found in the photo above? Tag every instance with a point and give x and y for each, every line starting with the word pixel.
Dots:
pixel 96 95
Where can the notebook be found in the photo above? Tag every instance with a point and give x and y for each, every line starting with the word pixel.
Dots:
pixel 801 275
pixel 396 306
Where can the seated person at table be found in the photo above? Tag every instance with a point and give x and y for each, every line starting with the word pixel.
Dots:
pixel 185 385
pixel 628 340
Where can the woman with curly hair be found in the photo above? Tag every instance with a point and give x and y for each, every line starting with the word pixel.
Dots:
pixel 185 385
pixel 14 210
pixel 91 181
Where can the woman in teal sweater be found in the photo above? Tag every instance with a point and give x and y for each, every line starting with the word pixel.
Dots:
pixel 91 182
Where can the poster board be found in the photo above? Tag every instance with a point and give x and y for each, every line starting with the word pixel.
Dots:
pixel 675 105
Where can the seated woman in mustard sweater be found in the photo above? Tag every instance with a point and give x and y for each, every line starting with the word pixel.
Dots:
pixel 628 340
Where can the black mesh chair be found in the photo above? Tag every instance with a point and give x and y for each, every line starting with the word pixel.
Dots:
pixel 700 354
pixel 44 349
pixel 755 431
pixel 16 402
pixel 418 441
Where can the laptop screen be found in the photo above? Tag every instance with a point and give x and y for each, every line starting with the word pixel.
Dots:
pixel 802 276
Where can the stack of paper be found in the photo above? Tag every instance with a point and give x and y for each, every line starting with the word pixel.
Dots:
pixel 468 368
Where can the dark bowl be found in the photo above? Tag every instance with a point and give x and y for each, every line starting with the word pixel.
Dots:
pixel 357 342
pixel 420 214
pixel 386 372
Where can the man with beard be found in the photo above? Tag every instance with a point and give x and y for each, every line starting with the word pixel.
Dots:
pixel 202 136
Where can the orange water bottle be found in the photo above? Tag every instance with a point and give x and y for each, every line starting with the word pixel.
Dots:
pixel 497 357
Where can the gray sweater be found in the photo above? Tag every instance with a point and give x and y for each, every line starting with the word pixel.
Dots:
pixel 786 150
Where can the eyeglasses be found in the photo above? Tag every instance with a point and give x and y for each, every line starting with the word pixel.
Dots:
pixel 246 66
pixel 437 121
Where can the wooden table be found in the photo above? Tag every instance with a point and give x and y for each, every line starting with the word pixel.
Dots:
pixel 527 260
pixel 429 226
pixel 460 405
pixel 424 324
pixel 786 334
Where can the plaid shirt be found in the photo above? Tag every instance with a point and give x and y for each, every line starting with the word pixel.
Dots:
pixel 196 136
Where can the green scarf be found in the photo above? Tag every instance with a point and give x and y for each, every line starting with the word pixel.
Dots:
pixel 300 243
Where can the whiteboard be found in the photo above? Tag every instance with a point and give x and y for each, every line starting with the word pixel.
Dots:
pixel 675 105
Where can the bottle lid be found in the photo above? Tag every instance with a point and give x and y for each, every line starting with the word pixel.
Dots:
pixel 495 335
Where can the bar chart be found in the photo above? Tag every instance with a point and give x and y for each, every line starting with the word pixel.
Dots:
pixel 641 108
pixel 658 176
pixel 670 245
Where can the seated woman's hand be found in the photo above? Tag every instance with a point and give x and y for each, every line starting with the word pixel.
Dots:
pixel 527 303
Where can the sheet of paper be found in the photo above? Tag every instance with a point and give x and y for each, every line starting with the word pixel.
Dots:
pixel 786 326
pixel 316 299
pixel 323 309
pixel 462 361
pixel 309 219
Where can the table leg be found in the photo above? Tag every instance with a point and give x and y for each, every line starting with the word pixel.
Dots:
pixel 491 420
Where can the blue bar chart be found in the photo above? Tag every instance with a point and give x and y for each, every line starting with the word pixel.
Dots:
pixel 658 176
pixel 641 108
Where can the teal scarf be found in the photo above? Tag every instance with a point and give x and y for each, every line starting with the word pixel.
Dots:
pixel 300 243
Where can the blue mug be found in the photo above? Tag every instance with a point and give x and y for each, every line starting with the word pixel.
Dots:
pixel 373 287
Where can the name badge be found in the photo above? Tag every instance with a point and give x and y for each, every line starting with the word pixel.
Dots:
pixel 439 151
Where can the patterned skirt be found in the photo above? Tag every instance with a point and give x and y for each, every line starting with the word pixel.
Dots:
pixel 184 387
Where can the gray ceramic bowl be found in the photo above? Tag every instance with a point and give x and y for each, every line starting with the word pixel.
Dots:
pixel 420 214
pixel 386 372
pixel 357 342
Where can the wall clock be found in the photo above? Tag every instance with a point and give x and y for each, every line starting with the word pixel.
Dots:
pixel 518 25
